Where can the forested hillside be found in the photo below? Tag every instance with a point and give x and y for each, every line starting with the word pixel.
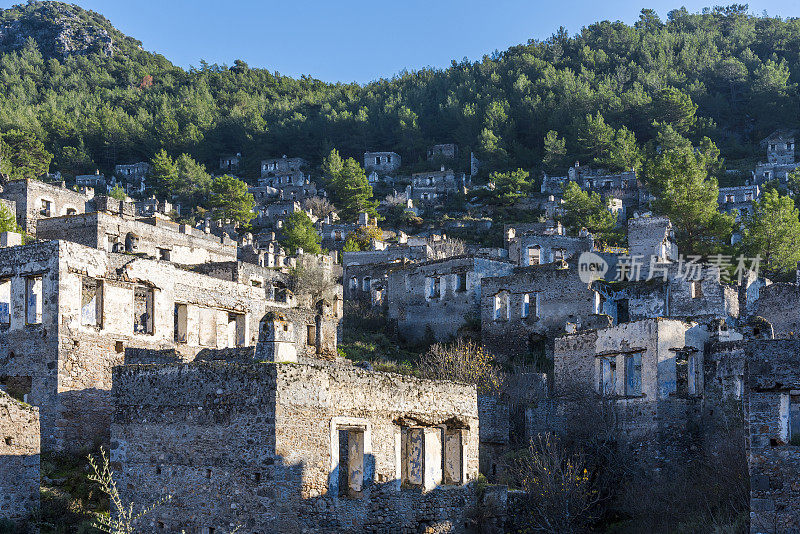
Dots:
pixel 95 98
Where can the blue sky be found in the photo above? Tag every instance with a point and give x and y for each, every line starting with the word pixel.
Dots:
pixel 358 40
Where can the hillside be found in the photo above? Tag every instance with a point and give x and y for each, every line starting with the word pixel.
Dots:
pixel 96 99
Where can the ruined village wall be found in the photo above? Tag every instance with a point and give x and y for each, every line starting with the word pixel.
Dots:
pixel 29 194
pixel 19 459
pixel 780 305
pixel 255 446
pixel 183 244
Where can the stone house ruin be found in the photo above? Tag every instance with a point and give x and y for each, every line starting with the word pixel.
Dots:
pixel 133 177
pixel 780 158
pixel 435 185
pixel 19 458
pixel 115 228
pixel 35 200
pixel 438 297
pixel 75 312
pixel 523 312
pixel 282 165
pixel 541 243
pixel 652 237
pixel 96 181
pixel 230 162
pixel 443 151
pixel 266 447
pixel 365 270
pixel 623 186
pixel 381 161
pixel 739 198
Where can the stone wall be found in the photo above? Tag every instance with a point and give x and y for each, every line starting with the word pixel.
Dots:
pixel 264 448
pixel 780 305
pixel 533 305
pixel 773 424
pixel 97 307
pixel 651 236
pixel 155 237
pixel 439 296
pixel 19 459
pixel 37 200
pixel 550 247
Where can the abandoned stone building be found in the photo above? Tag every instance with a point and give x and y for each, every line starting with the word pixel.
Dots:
pixel 739 198
pixel 132 177
pixel 540 243
pixel 266 447
pixel 523 312
pixel 19 456
pixel 275 213
pixel 35 200
pixel 381 161
pixel 772 400
pixel 436 298
pixel 435 185
pixel 779 304
pixel 780 158
pixel 443 151
pixel 230 162
pixel 365 273
pixel 652 237
pixel 623 186
pixel 96 181
pixel 115 228
pixel 282 165
pixel 74 312
pixel 152 206
pixel 334 232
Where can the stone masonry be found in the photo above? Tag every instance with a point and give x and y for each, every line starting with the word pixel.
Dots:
pixel 19 459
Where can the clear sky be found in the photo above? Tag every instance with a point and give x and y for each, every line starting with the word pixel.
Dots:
pixel 358 40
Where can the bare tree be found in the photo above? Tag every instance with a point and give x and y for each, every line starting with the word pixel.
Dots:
pixel 320 207
pixel 463 361
pixel 447 248
pixel 559 490
pixel 312 277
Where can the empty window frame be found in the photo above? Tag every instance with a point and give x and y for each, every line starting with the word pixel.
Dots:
pixel 697 289
pixel 534 255
pixel 46 208
pixel 453 456
pixel 501 306
pixel 5 302
pixel 236 330
pixel 351 462
pixel 181 322
pixel 143 310
pixel 433 287
pixel 461 282
pixel 366 283
pixel 695 373
pixel 163 254
pixel 633 374
pixel 530 305
pixel 422 461
pixel 607 375
pixel 208 327
pixel 33 299
pixel 91 302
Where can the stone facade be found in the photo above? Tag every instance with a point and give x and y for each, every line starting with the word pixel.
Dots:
pixel 364 269
pixel 780 158
pixel 230 162
pixel 275 166
pixel 133 176
pixel 779 304
pixel 526 248
pixel 772 400
pixel 435 185
pixel 739 198
pixel 381 161
pixel 294 448
pixel 75 312
pixel 521 313
pixel 155 237
pixel 37 200
pixel 19 459
pixel 439 296
pixel 652 236
pixel 443 151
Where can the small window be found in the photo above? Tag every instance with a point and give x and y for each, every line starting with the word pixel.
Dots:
pixel 143 310
pixel 623 311
pixel 366 283
pixel 433 287
pixel 377 160
pixel 461 282
pixel 453 456
pixel 236 330
pixel 729 198
pixel 311 335
pixel 163 254
pixel 534 255
pixel 526 305
pixel 633 375
pixel 46 208
pixel 695 372
pixel 697 289
pixel 353 283
pixel 501 305
pixel 181 320
pixel 72 211
pixel 33 300
pixel 5 302
pixel 91 302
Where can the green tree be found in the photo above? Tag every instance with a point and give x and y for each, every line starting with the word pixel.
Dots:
pixel 772 231
pixel 588 210
pixel 674 107
pixel 23 156
pixel 8 220
pixel 299 232
pixel 511 186
pixel 163 174
pixel 332 165
pixel 353 191
pixel 361 238
pixel 596 138
pixel 686 194
pixel 555 151
pixel 192 184
pixel 118 193
pixel 230 200
pixel 623 154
